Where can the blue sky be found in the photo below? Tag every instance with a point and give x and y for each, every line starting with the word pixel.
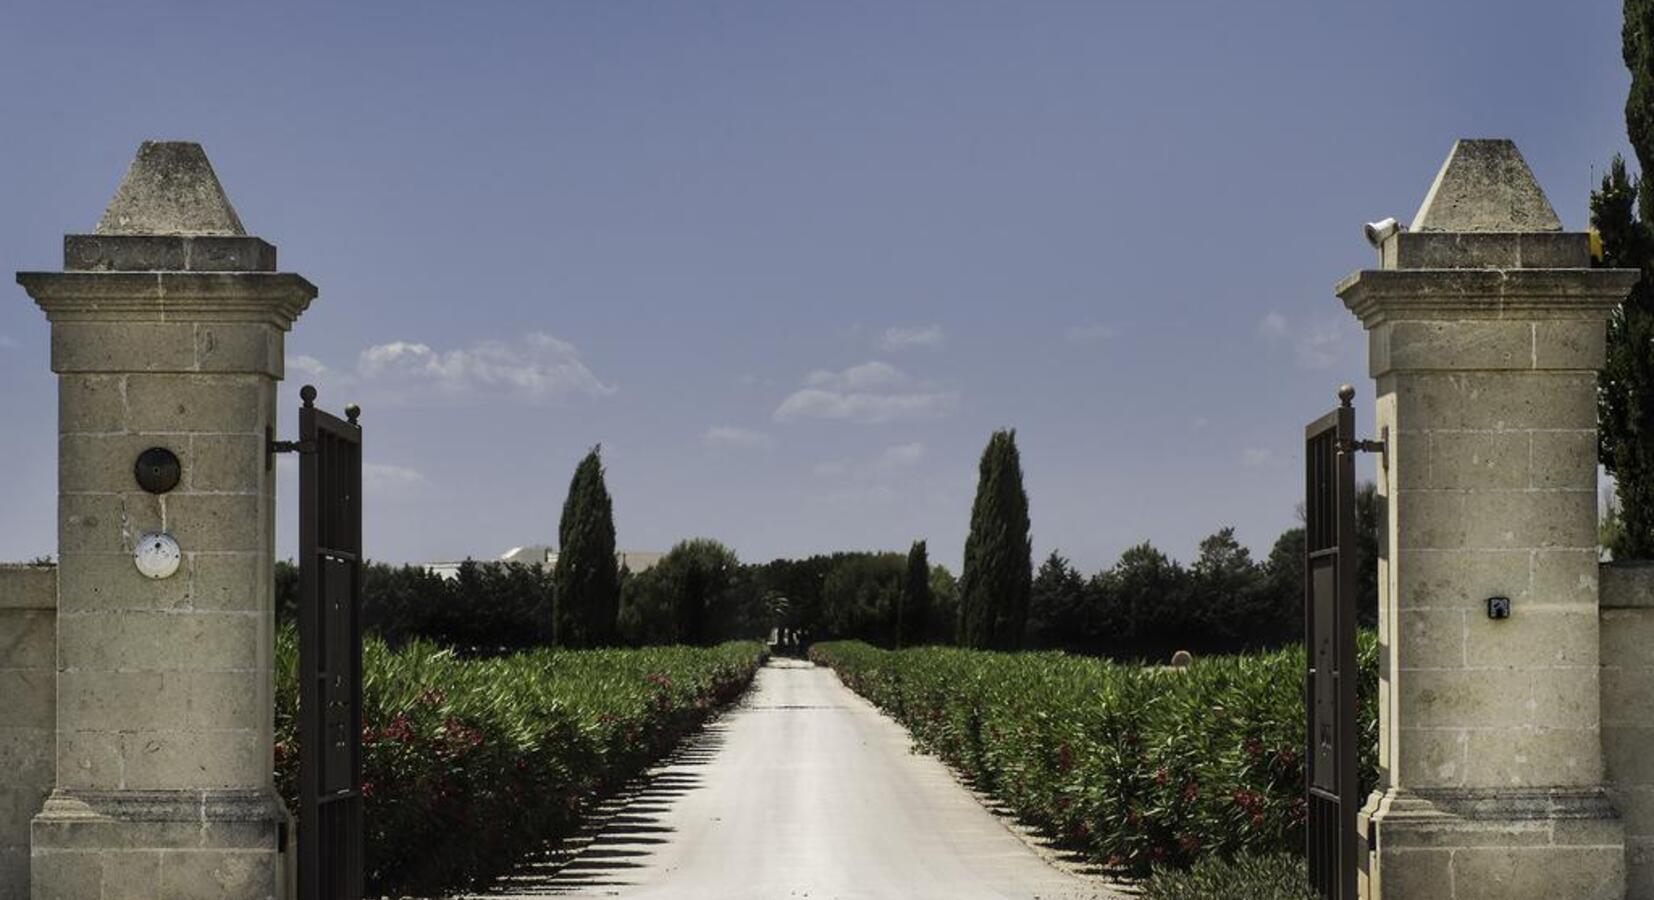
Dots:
pixel 791 263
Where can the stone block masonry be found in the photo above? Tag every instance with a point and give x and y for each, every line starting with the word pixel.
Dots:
pixel 168 327
pixel 1628 713
pixel 28 715
pixel 1485 325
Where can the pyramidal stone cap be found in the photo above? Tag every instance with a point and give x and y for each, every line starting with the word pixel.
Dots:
pixel 170 214
pixel 1486 186
pixel 170 189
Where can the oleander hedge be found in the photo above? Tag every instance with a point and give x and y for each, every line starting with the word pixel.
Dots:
pixel 1134 766
pixel 1277 876
pixel 471 763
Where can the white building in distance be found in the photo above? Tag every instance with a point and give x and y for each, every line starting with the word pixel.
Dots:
pixel 545 556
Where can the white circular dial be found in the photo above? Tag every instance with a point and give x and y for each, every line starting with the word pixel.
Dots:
pixel 157 554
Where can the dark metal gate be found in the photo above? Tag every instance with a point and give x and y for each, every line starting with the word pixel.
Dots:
pixel 330 653
pixel 1329 633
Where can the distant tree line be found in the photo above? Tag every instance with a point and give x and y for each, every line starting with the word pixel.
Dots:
pixel 486 608
pixel 699 593
pixel 1146 606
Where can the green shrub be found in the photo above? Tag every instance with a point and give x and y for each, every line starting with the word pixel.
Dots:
pixel 1278 876
pixel 468 764
pixel 1135 767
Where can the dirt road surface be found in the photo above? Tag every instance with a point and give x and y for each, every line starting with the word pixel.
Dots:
pixel 804 790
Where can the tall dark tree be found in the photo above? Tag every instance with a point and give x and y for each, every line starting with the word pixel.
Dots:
pixel 1622 212
pixel 1059 607
pixel 588 575
pixel 999 566
pixel 692 591
pixel 913 613
pixel 1625 391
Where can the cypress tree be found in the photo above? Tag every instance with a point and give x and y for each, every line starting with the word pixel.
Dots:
pixel 1622 210
pixel 999 565
pixel 913 609
pixel 588 577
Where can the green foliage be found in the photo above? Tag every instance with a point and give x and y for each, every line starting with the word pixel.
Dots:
pixel 1622 209
pixel 588 579
pixel 1148 606
pixel 698 593
pixel 455 749
pixel 1060 609
pixel 1131 766
pixel 861 594
pixel 998 573
pixel 1625 390
pixel 1276 876
pixel 944 606
pixel 487 609
pixel 913 612
pixel 1637 49
pixel 1367 506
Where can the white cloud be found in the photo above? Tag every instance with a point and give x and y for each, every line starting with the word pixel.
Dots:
pixel 1258 457
pixel 307 365
pixel 867 376
pixel 901 456
pixel 380 478
pixel 872 392
pixel 903 338
pixel 1092 333
pixel 733 438
pixel 1320 349
pixel 536 366
pixel 1314 348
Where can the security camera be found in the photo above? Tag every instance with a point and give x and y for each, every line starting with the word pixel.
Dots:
pixel 1380 231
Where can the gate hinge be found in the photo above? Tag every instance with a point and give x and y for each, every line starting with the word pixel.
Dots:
pixel 1380 446
pixel 273 446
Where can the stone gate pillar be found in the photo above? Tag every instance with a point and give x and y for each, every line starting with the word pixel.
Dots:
pixel 167 327
pixel 1486 329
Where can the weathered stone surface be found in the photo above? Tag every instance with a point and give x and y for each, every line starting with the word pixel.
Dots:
pixel 1487 250
pixel 1537 638
pixel 1485 186
pixel 158 641
pixel 198 404
pixel 27 587
pixel 28 715
pixel 170 188
pixel 157 253
pixel 1462 579
pixel 1497 843
pixel 1628 585
pixel 91 404
pixel 1489 401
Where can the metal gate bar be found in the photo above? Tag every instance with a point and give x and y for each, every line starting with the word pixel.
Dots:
pixel 1329 635
pixel 330 653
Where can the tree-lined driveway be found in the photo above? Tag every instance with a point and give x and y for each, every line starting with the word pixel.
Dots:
pixel 804 791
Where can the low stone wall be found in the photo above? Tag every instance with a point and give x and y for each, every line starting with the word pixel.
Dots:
pixel 1628 712
pixel 28 689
